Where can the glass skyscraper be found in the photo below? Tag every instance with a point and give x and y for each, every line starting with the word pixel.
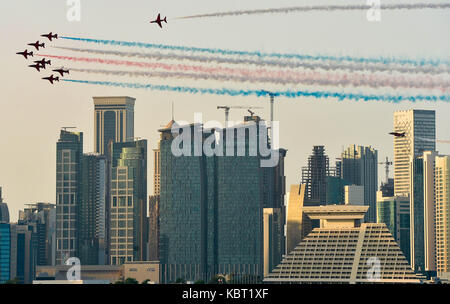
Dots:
pixel 211 208
pixel 417 215
pixel 420 135
pixel 360 167
pixel 69 154
pixel 128 210
pixel 5 252
pixel 92 210
pixel 394 212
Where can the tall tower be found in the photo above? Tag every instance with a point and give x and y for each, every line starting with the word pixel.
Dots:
pixel 128 211
pixel 113 120
pixel 4 211
pixel 315 175
pixel 92 210
pixel 360 167
pixel 420 135
pixel 442 196
pixel 69 153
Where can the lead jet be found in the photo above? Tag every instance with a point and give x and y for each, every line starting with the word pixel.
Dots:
pixel 37 45
pixel 51 78
pixel 50 36
pixel 43 62
pixel 397 134
pixel 61 71
pixel 37 66
pixel 25 54
pixel 159 21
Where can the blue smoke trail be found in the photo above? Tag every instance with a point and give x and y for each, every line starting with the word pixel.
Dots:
pixel 259 93
pixel 421 62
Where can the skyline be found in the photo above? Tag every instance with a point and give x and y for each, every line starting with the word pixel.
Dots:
pixel 30 125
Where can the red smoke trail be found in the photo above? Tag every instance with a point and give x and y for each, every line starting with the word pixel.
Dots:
pixel 283 76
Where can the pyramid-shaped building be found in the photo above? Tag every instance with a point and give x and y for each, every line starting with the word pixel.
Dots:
pixel 344 250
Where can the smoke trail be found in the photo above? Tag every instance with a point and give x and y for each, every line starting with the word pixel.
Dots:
pixel 342 80
pixel 264 62
pixel 224 52
pixel 434 140
pixel 328 8
pixel 259 93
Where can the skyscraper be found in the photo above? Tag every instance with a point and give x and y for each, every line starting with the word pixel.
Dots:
pixel 394 212
pixel 211 207
pixel 360 167
pixel 4 211
pixel 417 204
pixel 442 197
pixel 113 120
pixel 42 217
pixel 429 217
pixel 420 135
pixel 128 210
pixel 69 154
pixel 315 174
pixel 92 210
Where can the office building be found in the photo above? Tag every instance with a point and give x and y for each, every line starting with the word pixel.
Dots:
pixel 92 210
pixel 5 252
pixel 344 250
pixel 298 225
pixel 420 135
pixel 156 171
pixel 429 217
pixel 4 211
pixel 354 195
pixel 42 217
pixel 128 210
pixel 153 226
pixel 113 121
pixel 273 241
pixel 417 213
pixel 442 218
pixel 360 167
pixel 394 212
pixel 211 207
pixel 69 154
pixel 336 190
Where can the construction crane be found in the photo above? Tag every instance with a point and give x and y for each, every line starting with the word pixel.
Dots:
pixel 387 163
pixel 227 111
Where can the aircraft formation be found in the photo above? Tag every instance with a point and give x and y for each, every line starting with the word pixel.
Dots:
pixel 43 63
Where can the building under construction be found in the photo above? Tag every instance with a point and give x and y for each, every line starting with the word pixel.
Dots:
pixel 315 174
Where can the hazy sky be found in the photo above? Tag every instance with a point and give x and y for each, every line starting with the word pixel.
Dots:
pixel 32 112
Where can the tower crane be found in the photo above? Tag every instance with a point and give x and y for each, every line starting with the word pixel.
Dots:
pixel 227 111
pixel 387 163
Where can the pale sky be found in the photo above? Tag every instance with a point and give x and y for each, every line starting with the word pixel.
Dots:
pixel 32 112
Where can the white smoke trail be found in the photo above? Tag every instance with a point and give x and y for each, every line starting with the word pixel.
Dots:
pixel 305 79
pixel 371 67
pixel 328 8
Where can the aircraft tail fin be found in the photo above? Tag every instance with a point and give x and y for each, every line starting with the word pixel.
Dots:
pixel 165 19
pixel 31 54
